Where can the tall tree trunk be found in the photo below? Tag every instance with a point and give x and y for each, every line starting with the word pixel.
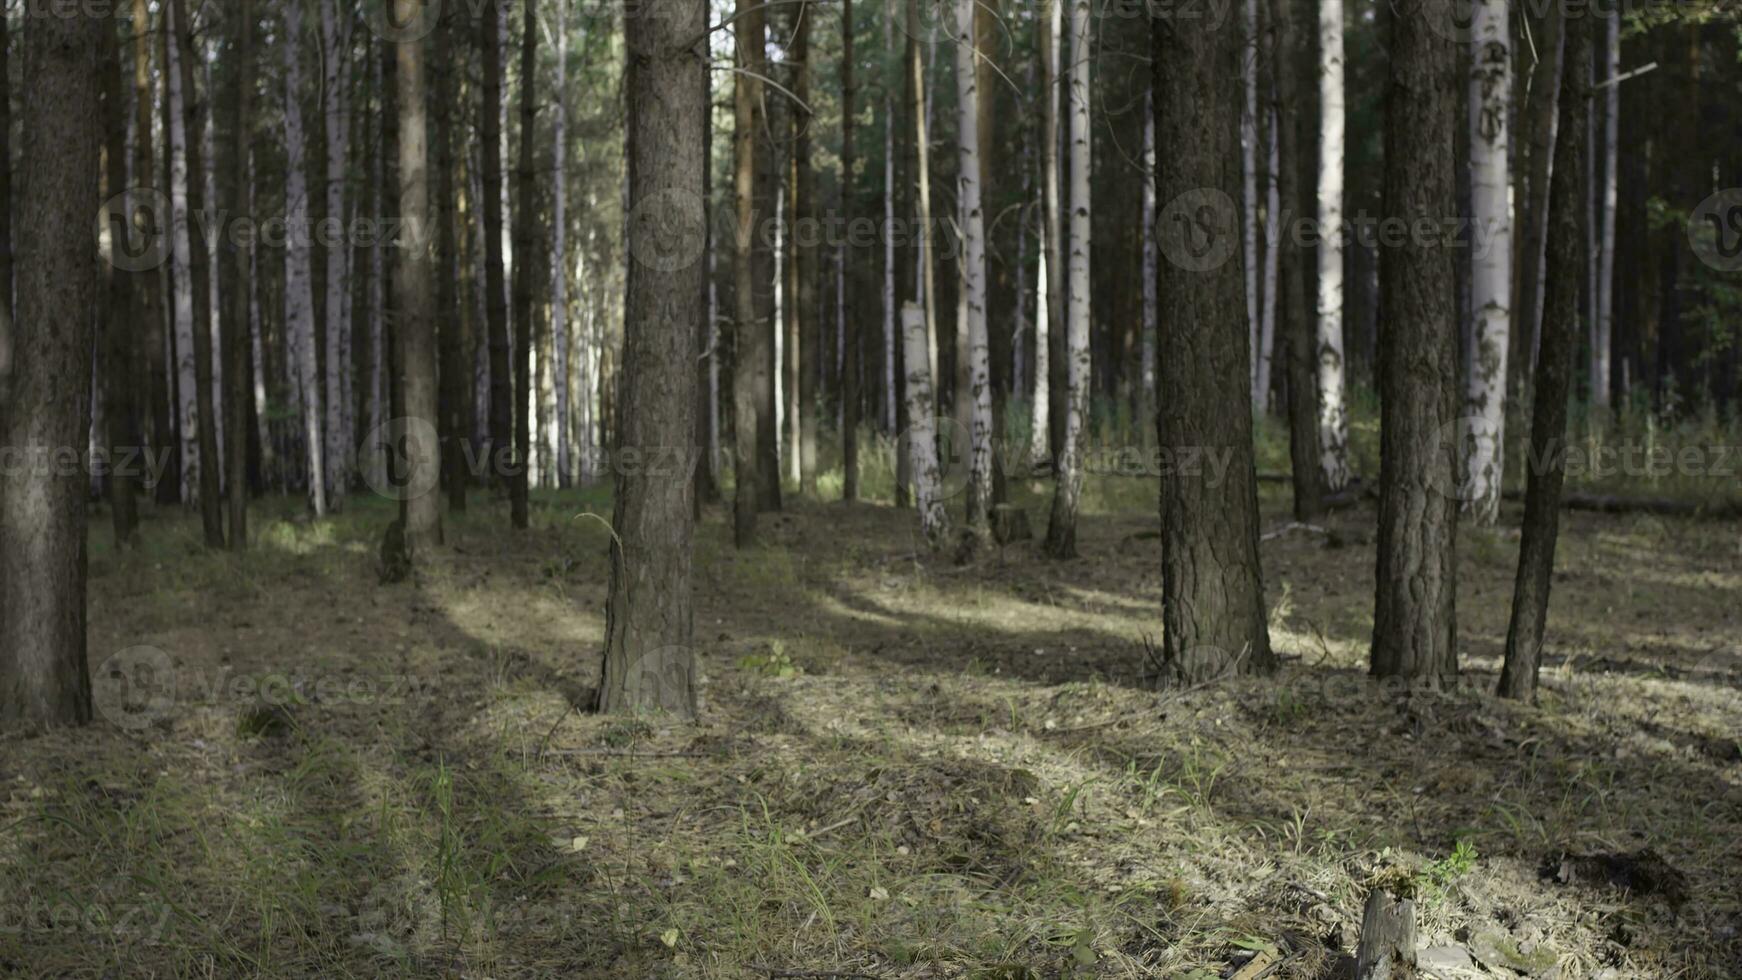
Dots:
pixel 454 384
pixel 920 441
pixel 891 264
pixel 1250 67
pixel 150 288
pixel 1212 589
pixel 1483 457
pixel 142 45
pixel 495 286
pixel 1061 532
pixel 979 391
pixel 1541 117
pixel 239 257
pixel 850 335
pixel 649 659
pixel 922 179
pixel 1049 303
pixel 336 19
pixel 120 357
pixel 1333 399
pixel 44 681
pixel 1151 254
pixel 559 276
pixel 750 358
pixel 807 338
pixel 199 267
pixel 299 302
pixel 420 508
pixel 1290 73
pixel 1414 622
pixel 764 258
pixel 1567 246
pixel 1603 337
pixel 525 261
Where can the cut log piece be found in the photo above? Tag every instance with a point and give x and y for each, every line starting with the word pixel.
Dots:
pixel 1387 950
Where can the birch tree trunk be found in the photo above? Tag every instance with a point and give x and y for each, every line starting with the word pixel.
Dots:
pixel 890 390
pixel 922 159
pixel 921 438
pixel 421 512
pixel 1333 400
pixel 1414 625
pixel 336 20
pixel 1151 299
pixel 240 262
pixel 181 258
pixel 1061 532
pixel 559 295
pixel 1491 264
pixel 974 277
pixel 299 301
pixel 1605 300
pixel 1567 245
pixel 1049 301
pixel 44 681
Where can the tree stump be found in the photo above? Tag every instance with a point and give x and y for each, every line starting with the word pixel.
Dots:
pixel 1010 523
pixel 1387 949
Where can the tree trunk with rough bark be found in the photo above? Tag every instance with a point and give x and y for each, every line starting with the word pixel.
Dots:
pixel 850 330
pixel 337 16
pixel 299 302
pixel 1567 247
pixel 526 240
pixel 920 441
pixel 750 356
pixel 239 260
pixel 120 348
pixel 979 391
pixel 44 681
pixel 1603 337
pixel 1333 399
pixel 649 661
pixel 1061 531
pixel 1289 75
pixel 501 448
pixel 1414 622
pixel 420 508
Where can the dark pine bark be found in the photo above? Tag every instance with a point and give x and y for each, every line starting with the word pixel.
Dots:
pixel 237 354
pixel 751 354
pixel 44 681
pixel 649 661
pixel 805 259
pixel 200 271
pixel 850 363
pixel 1414 621
pixel 421 513
pixel 149 287
pixel 767 182
pixel 1567 245
pixel 495 288
pixel 120 364
pixel 1212 592
pixel 1539 117
pixel 526 262
pixel 456 370
pixel 6 168
pixel 1291 73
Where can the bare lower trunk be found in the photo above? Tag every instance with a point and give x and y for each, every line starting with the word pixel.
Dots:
pixel 1541 119
pixel 849 330
pixel 979 391
pixel 44 681
pixel 420 509
pixel 495 277
pixel 526 240
pixel 1414 622
pixel 336 20
pixel 1333 400
pixel 1567 245
pixel 1049 303
pixel 649 661
pixel 1289 77
pixel 299 302
pixel 751 337
pixel 120 343
pixel 240 259
pixel 1061 532
pixel 920 440
pixel 1605 301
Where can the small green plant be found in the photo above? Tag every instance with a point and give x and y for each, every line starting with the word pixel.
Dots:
pixel 775 663
pixel 1433 880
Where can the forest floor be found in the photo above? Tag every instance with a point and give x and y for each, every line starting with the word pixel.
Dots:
pixel 903 768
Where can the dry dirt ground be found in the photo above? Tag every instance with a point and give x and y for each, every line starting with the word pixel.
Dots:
pixel 903 768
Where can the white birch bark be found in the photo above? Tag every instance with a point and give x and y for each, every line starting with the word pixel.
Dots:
pixel 922 443
pixel 1040 427
pixel 336 19
pixel 1061 533
pixel 299 300
pixel 1605 318
pixel 257 349
pixel 974 275
pixel 1333 400
pixel 181 253
pixel 1491 264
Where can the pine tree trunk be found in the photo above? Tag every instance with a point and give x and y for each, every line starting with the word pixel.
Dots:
pixel 751 337
pixel 1491 269
pixel 764 260
pixel 649 659
pixel 120 356
pixel 420 509
pixel 1289 76
pixel 1212 591
pixel 1333 399
pixel 299 302
pixel 150 286
pixel 1414 626
pixel 44 681
pixel 142 45
pixel 1250 67
pixel 501 447
pixel 850 331
pixel 1605 315
pixel 1541 117
pixel 807 338
pixel 1061 532
pixel 1567 247
pixel 525 261
pixel 455 378
pixel 239 258
pixel 335 47
pixel 1151 254
pixel 978 394
pixel 559 295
